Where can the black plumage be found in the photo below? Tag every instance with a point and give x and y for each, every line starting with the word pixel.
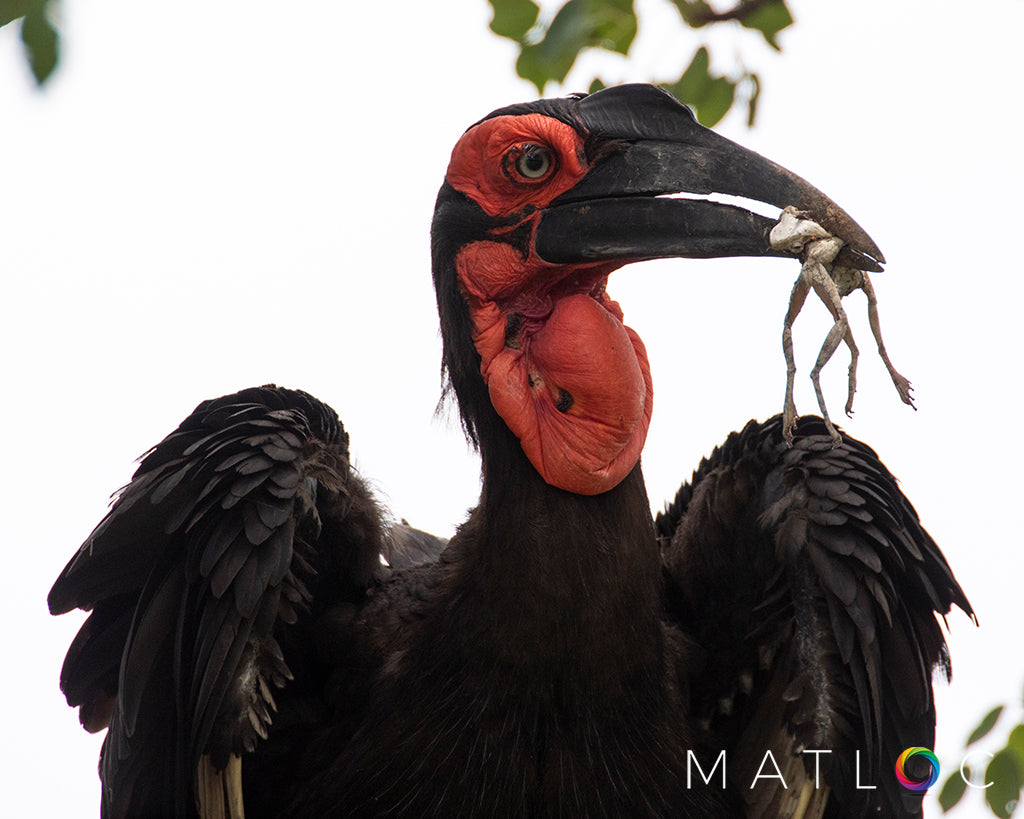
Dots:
pixel 262 632
pixel 828 582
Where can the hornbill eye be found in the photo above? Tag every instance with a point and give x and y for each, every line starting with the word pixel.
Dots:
pixel 532 161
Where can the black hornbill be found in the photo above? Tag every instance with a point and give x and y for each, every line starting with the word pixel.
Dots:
pixel 765 647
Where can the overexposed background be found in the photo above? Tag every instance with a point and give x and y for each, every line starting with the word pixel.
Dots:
pixel 216 195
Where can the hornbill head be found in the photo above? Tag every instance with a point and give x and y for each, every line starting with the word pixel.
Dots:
pixel 540 203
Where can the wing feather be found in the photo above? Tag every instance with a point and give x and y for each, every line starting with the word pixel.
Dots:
pixel 195 579
pixel 806 569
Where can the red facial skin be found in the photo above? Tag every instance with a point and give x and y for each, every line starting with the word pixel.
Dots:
pixel 569 379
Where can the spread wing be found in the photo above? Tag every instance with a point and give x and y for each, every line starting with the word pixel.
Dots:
pixel 202 581
pixel 812 589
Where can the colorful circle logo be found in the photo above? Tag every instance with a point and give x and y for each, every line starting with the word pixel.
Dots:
pixel 914 784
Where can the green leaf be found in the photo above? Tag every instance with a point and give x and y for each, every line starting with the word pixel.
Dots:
pixel 13 9
pixel 1006 777
pixel 695 13
pixel 717 101
pixel 1015 744
pixel 769 19
pixel 697 74
pixel 579 24
pixel 987 723
pixel 513 18
pixel 690 87
pixel 711 97
pixel 40 39
pixel 752 100
pixel 952 791
pixel 596 86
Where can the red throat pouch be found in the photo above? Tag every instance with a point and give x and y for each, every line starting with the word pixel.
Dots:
pixel 576 391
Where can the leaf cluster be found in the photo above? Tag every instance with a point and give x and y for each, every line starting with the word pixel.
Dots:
pixel 548 49
pixel 1004 773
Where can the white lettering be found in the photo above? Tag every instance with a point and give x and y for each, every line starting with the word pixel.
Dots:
pixel 966 778
pixel 859 786
pixel 817 760
pixel 707 779
pixel 776 775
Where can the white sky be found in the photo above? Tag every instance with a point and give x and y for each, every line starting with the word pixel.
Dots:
pixel 216 195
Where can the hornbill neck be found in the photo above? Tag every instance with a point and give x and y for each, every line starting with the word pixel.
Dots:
pixel 565 579
pixel 570 582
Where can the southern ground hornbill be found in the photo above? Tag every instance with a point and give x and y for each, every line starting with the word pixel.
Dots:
pixel 764 648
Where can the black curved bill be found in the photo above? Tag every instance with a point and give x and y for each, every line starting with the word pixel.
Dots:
pixel 622 208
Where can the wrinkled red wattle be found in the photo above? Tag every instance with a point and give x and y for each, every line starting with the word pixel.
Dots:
pixel 580 349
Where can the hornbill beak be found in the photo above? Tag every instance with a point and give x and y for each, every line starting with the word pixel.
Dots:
pixel 622 208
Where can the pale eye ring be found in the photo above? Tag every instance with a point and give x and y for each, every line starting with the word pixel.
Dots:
pixel 534 161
